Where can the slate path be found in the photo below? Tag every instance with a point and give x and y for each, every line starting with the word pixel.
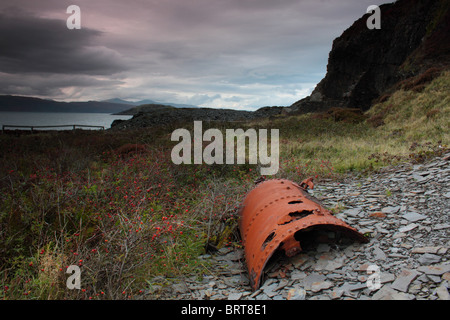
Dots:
pixel 406 212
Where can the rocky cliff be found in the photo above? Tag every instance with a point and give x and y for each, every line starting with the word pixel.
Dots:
pixel 364 63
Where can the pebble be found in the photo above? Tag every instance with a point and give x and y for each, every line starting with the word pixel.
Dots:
pixel 379 254
pixel 352 212
pixel 426 249
pixel 442 293
pixel 407 228
pixel 409 234
pixel 235 296
pixel 297 293
pixel 321 285
pixel 387 293
pixel 428 258
pixel 404 279
pixel 435 269
pixel 441 226
pixel 390 210
pixel 414 216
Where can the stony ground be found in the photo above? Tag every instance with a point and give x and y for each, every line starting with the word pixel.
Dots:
pixel 405 210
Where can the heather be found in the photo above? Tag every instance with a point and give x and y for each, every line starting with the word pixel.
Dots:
pixel 121 211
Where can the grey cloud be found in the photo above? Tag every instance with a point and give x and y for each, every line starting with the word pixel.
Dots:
pixel 233 99
pixel 52 85
pixel 33 44
pixel 199 99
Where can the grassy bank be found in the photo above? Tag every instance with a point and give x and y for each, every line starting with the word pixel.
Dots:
pixel 408 125
pixel 114 204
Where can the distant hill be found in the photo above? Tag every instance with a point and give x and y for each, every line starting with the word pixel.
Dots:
pixel 121 101
pixel 145 108
pixel 31 104
pixel 150 102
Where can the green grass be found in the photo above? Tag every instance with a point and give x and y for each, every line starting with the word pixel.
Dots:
pixel 114 203
pixel 414 123
pixel 419 115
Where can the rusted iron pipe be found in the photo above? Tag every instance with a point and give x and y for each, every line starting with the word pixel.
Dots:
pixel 272 216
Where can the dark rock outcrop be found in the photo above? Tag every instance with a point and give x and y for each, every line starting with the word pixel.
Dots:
pixel 364 63
pixel 169 116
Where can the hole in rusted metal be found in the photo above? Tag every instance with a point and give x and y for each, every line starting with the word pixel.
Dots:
pixel 300 214
pixel 295 201
pixel 293 216
pixel 268 239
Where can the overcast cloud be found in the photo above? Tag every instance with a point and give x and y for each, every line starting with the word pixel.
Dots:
pixel 238 54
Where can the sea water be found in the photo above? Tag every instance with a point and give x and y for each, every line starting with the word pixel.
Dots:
pixel 58 118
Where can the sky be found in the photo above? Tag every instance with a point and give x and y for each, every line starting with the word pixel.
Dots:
pixel 238 54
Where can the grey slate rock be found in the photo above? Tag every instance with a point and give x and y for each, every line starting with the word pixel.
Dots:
pixel 403 281
pixel 414 216
pixel 429 258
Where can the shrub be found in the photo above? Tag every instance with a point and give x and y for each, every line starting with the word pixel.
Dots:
pixel 418 83
pixel 349 115
pixel 376 120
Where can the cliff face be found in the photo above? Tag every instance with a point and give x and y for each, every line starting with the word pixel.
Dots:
pixel 364 63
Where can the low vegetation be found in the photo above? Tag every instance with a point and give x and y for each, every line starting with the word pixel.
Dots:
pixel 114 204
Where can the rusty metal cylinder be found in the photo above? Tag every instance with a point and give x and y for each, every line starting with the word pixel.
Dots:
pixel 271 217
